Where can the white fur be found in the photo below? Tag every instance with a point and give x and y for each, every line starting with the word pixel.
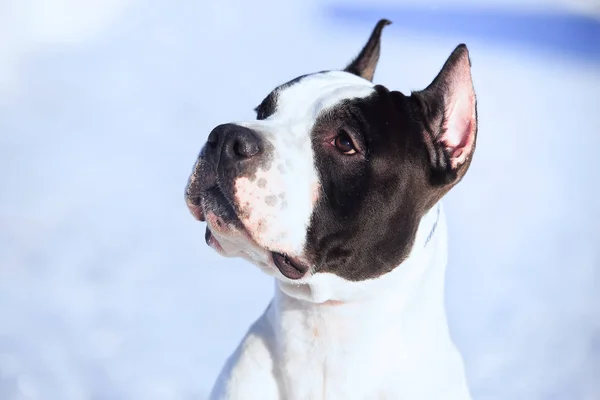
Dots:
pixel 385 338
pixel 323 337
pixel 291 179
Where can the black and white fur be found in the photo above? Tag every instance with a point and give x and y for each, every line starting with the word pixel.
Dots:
pixel 335 191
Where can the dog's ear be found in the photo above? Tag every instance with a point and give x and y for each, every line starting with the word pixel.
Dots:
pixel 365 63
pixel 449 114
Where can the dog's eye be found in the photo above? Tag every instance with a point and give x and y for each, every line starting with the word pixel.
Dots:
pixel 343 143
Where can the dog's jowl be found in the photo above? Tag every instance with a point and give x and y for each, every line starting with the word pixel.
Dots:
pixel 334 190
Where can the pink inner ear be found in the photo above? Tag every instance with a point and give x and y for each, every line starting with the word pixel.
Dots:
pixel 459 136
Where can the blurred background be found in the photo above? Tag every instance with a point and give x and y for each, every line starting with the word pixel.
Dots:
pixel 107 290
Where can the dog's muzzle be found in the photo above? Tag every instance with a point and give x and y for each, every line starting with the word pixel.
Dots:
pixel 229 152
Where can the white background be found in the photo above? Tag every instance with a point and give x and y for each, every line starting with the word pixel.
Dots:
pixel 107 290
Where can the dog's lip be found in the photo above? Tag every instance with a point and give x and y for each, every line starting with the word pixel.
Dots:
pixel 196 210
pixel 219 228
pixel 290 268
pixel 216 223
pixel 212 241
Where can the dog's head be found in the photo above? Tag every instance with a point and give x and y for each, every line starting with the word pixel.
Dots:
pixel 335 174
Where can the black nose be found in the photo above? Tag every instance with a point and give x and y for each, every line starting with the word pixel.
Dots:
pixel 230 143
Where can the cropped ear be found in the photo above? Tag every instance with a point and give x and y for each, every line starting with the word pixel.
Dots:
pixel 449 116
pixel 365 63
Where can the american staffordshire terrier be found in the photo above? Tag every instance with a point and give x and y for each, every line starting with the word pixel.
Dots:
pixel 334 190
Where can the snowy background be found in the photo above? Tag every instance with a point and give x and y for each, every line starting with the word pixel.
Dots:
pixel 107 290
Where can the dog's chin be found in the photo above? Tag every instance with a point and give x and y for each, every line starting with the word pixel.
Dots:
pixel 226 234
pixel 230 238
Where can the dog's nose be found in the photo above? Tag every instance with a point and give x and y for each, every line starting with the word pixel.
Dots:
pixel 230 143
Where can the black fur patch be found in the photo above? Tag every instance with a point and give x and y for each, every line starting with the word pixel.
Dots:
pixel 366 219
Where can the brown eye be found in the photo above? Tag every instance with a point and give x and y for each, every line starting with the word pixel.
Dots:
pixel 344 144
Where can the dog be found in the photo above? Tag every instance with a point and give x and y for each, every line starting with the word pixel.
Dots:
pixel 335 190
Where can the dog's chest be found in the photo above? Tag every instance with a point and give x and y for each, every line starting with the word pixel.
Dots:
pixel 336 353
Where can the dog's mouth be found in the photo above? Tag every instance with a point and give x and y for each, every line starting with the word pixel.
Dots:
pixel 289 268
pixel 225 230
pixel 213 207
pixel 197 212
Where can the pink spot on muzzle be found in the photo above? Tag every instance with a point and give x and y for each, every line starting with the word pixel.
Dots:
pixel 316 192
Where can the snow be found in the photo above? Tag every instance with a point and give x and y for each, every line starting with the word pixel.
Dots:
pixel 107 290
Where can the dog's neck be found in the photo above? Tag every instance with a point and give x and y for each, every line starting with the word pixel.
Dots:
pixel 331 324
pixel 413 289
